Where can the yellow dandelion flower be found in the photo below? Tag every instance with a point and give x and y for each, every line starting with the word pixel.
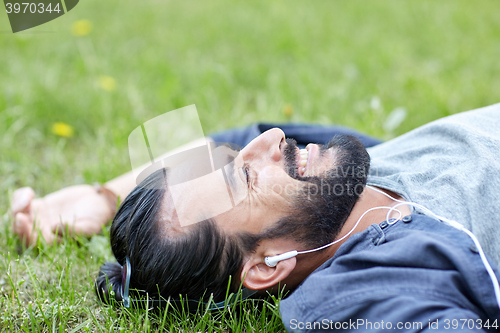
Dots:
pixel 107 83
pixel 62 129
pixel 81 27
pixel 288 110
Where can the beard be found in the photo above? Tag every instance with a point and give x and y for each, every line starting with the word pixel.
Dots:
pixel 323 203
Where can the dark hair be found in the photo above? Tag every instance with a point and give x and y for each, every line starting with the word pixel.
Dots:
pixel 196 262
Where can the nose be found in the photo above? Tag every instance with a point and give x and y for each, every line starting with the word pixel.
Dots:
pixel 267 145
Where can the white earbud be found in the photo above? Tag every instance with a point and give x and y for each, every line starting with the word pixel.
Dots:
pixel 273 261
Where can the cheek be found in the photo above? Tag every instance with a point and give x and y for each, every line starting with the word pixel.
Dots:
pixel 275 182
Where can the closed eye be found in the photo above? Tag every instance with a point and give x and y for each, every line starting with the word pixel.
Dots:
pixel 246 171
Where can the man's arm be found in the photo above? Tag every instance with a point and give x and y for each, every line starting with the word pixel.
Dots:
pixel 81 209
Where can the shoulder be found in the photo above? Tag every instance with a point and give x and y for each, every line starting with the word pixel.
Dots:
pixel 477 126
pixel 405 267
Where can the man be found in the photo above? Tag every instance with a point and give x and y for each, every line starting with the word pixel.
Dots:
pixel 407 270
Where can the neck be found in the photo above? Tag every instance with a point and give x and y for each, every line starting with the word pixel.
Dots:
pixel 370 198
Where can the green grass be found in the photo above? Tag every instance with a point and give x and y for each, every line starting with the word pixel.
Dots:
pixel 332 62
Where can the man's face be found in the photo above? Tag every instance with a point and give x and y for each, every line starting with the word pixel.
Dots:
pixel 274 178
pixel 270 169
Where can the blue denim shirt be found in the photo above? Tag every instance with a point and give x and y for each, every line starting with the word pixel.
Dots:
pixel 417 274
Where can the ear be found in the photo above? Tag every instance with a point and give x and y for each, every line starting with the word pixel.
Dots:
pixel 257 275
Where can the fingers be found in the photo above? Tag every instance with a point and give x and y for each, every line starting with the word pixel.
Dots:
pixel 49 236
pixel 77 210
pixel 21 200
pixel 23 226
pixel 82 226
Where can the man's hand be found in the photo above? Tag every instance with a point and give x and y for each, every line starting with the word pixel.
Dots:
pixel 80 209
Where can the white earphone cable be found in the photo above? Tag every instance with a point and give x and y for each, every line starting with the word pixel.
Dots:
pixel 272 261
pixel 455 224
pixel 350 231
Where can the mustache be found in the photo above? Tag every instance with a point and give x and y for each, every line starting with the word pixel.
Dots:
pixel 291 154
